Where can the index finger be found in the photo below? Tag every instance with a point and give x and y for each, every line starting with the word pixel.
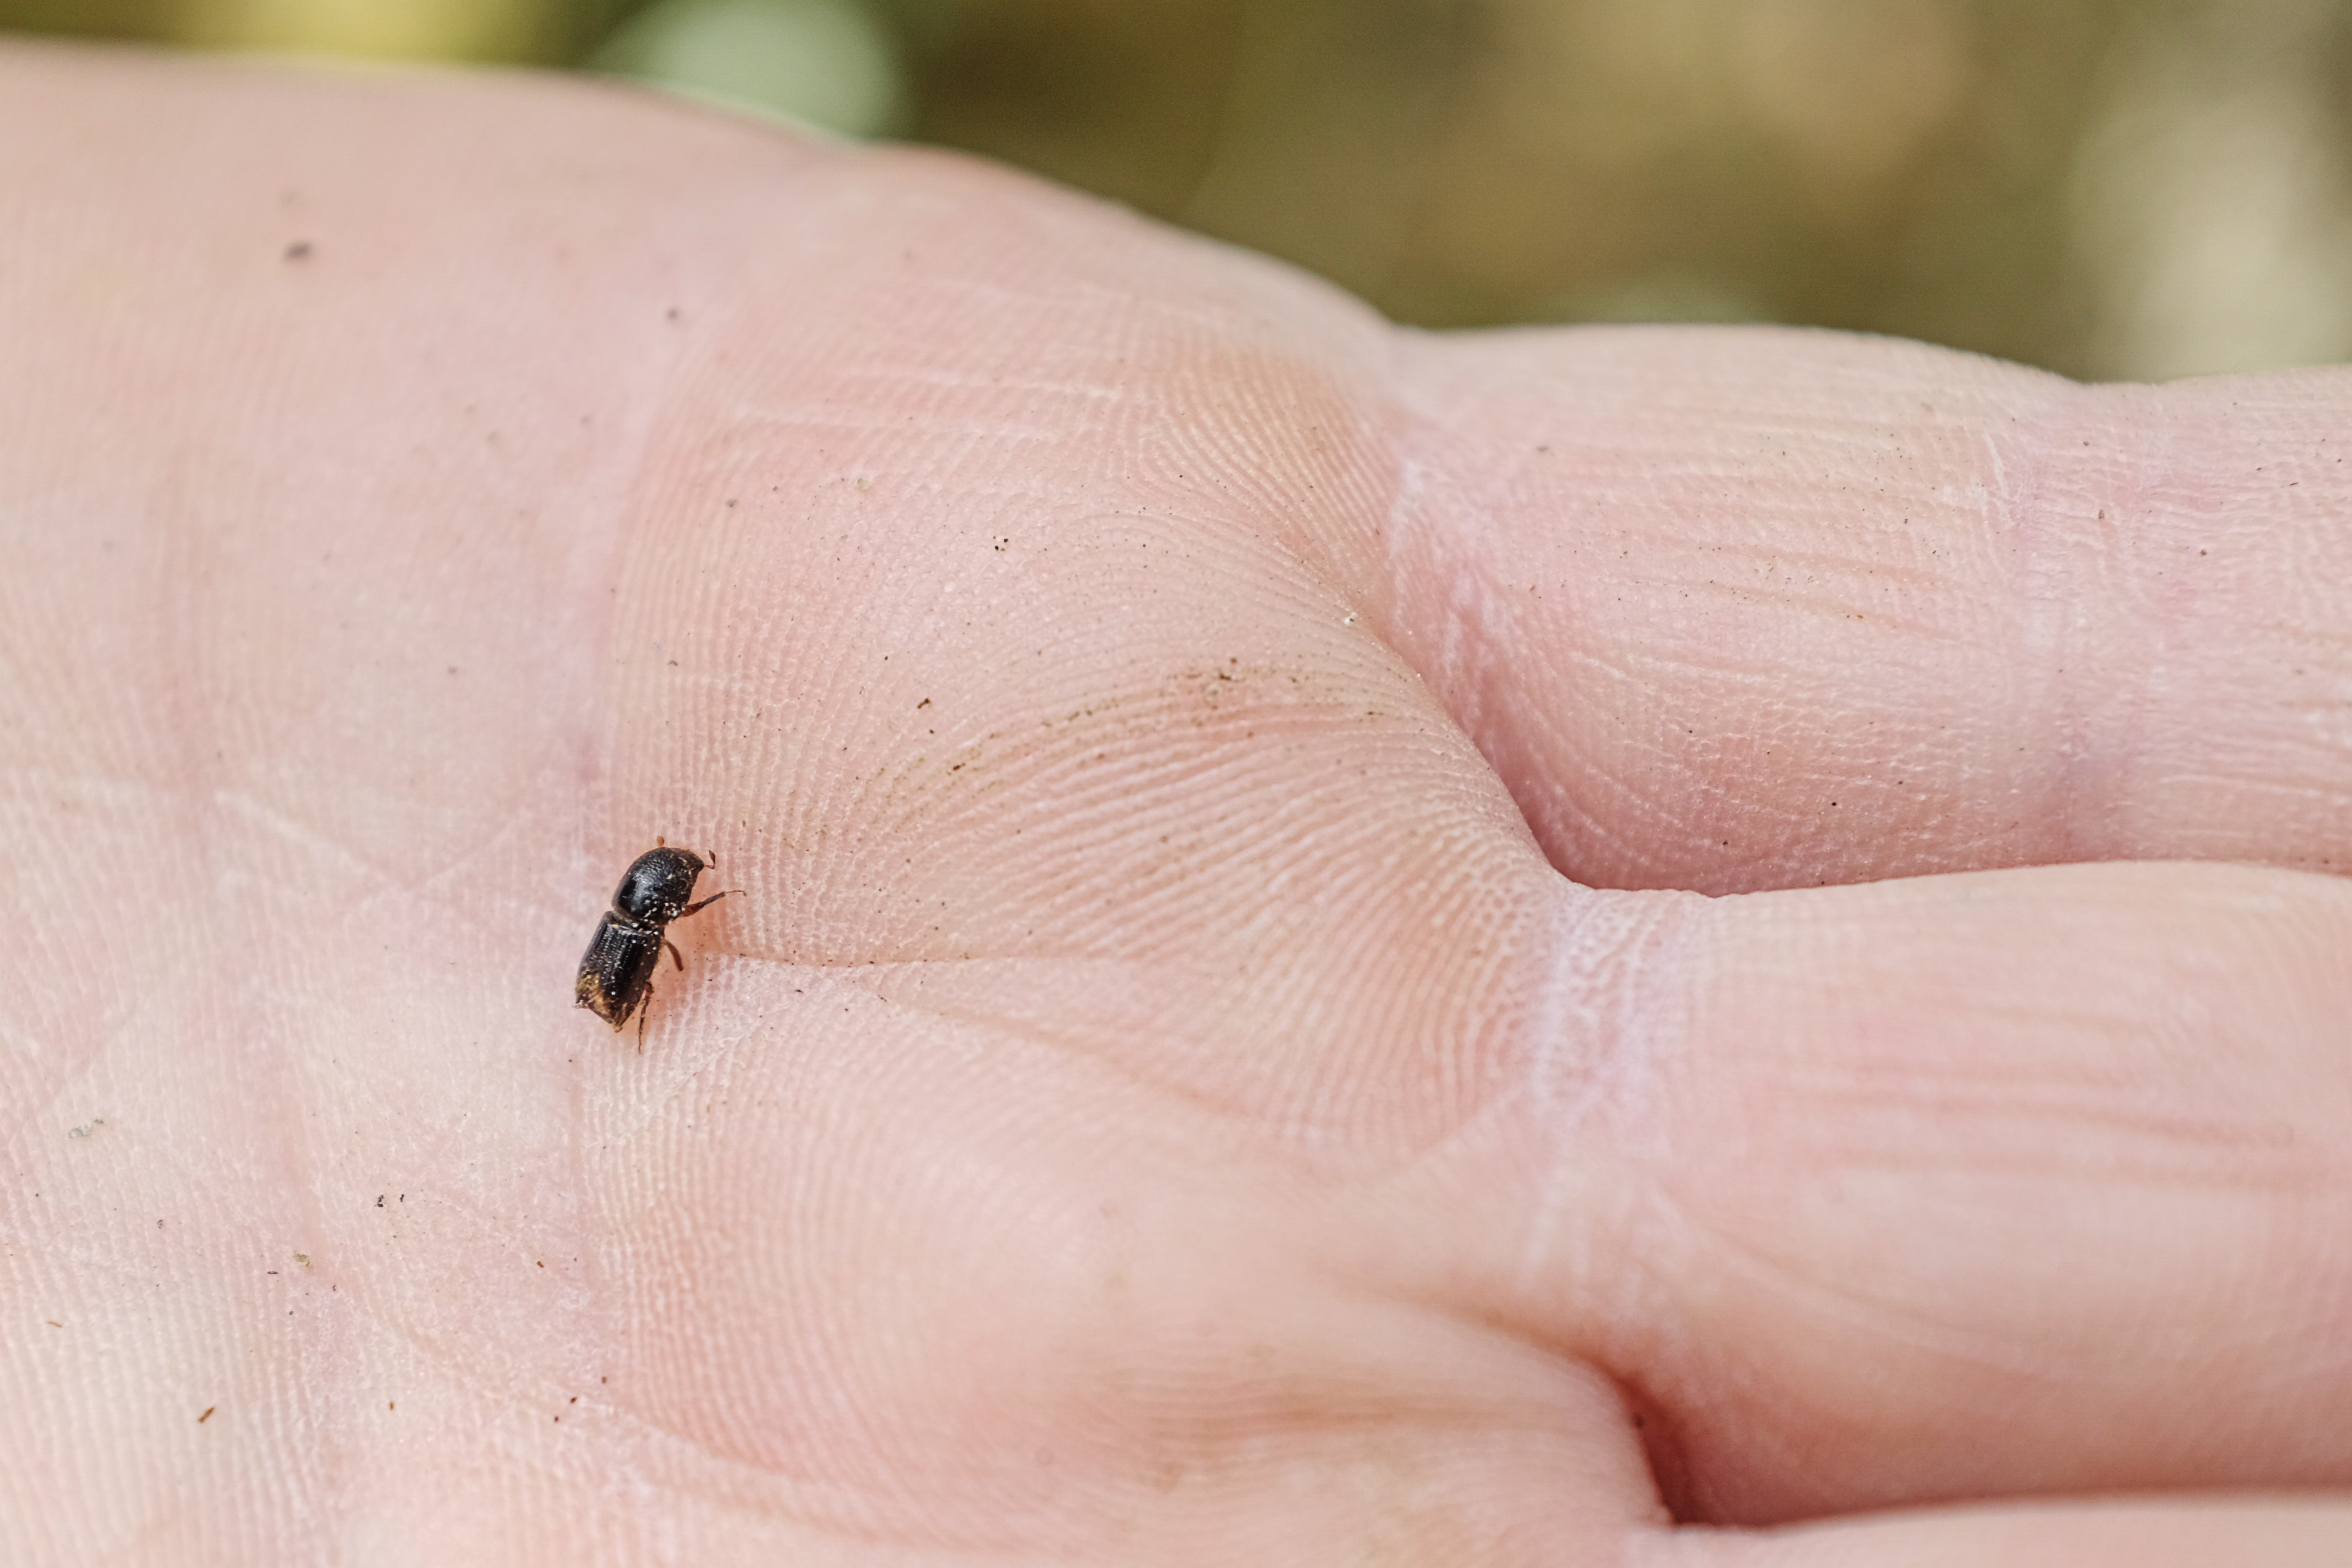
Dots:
pixel 1733 609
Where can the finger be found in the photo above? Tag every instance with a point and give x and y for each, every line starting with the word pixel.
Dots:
pixel 2286 1533
pixel 1951 1187
pixel 1735 610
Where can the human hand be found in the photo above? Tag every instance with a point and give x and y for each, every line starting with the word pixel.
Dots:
pixel 1221 1053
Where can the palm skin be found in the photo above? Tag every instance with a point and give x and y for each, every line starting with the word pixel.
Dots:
pixel 1229 1046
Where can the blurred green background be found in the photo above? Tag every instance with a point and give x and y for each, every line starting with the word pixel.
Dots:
pixel 2111 190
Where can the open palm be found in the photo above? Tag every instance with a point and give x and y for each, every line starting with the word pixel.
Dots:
pixel 1345 946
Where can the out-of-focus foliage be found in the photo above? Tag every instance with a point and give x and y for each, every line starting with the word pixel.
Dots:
pixel 546 31
pixel 833 63
pixel 2138 188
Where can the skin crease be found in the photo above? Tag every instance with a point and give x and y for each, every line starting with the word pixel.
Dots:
pixel 1224 1051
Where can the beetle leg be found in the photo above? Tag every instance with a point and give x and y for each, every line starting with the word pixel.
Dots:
pixel 672 955
pixel 705 904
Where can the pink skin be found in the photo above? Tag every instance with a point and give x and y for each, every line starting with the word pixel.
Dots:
pixel 1209 1065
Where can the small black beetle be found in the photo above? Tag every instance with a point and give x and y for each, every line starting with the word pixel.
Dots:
pixel 616 973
